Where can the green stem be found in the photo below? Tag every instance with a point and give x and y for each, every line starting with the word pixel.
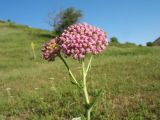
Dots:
pixel 84 83
pixel 89 64
pixel 89 114
pixel 85 91
pixel 70 72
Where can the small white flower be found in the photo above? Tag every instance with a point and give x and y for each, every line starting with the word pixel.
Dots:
pixel 51 78
pixel 8 89
pixel 36 88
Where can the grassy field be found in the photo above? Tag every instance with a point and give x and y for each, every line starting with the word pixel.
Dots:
pixel 40 90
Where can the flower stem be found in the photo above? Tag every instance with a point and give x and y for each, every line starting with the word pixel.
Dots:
pixel 88 110
pixel 89 114
pixel 70 72
pixel 84 83
pixel 89 64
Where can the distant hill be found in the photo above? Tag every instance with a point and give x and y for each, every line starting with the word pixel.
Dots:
pixel 2 21
pixel 157 42
pixel 11 28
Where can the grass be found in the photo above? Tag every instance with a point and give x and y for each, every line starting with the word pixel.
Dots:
pixel 37 90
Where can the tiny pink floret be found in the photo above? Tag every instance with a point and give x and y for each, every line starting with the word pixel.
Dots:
pixel 80 39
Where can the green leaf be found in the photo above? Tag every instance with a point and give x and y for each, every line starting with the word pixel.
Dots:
pixel 95 101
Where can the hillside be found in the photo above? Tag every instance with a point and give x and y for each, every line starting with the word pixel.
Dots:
pixel 157 42
pixel 40 90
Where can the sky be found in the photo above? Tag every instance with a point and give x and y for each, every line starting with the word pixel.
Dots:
pixel 135 21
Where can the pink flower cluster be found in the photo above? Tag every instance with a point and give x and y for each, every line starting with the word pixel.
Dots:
pixel 76 41
pixel 51 49
pixel 80 39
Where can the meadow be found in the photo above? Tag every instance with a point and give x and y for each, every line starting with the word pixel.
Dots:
pixel 34 89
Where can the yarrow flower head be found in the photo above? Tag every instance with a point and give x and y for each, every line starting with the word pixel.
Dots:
pixel 51 49
pixel 80 39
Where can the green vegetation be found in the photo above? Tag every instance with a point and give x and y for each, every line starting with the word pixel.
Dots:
pixel 115 42
pixel 64 19
pixel 34 89
pixel 149 44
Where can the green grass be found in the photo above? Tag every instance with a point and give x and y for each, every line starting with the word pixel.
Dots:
pixel 41 90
